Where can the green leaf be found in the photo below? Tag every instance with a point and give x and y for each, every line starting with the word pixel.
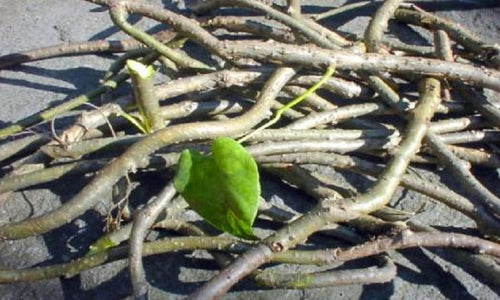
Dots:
pixel 223 188
pixel 181 179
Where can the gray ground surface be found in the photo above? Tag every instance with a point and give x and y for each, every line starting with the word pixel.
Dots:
pixel 27 24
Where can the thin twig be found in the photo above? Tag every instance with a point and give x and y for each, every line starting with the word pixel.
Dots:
pixel 135 157
pixel 143 219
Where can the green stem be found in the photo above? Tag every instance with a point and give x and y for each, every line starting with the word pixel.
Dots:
pixel 329 72
pixel 149 105
pixel 327 211
pixel 337 115
pixel 49 114
pixel 136 157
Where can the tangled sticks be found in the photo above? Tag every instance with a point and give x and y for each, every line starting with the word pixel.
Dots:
pixel 384 132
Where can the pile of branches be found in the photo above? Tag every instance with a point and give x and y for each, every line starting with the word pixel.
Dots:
pixel 390 111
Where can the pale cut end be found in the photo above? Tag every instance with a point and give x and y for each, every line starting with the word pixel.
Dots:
pixel 140 69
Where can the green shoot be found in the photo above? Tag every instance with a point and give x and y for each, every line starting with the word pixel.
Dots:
pixel 329 72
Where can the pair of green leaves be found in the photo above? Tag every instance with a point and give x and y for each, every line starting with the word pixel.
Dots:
pixel 222 188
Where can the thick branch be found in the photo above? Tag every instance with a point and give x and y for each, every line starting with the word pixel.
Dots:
pixel 136 157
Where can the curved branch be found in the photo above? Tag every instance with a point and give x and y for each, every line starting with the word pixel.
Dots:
pixel 136 157
pixel 378 24
pixel 143 220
